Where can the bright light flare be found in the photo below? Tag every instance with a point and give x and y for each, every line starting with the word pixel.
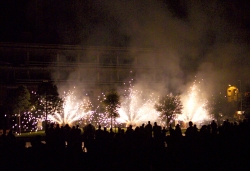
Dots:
pixel 194 106
pixel 135 109
pixel 73 110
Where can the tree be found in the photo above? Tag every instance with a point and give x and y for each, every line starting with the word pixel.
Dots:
pixel 168 106
pixel 112 102
pixel 221 108
pixel 48 100
pixel 16 102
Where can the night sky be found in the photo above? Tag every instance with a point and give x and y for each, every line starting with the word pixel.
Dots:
pixel 77 22
pixel 206 39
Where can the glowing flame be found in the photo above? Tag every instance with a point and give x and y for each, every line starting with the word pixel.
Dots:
pixel 135 109
pixel 194 107
pixel 73 110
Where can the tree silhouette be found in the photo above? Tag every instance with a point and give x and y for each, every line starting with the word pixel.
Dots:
pixel 168 106
pixel 16 102
pixel 111 102
pixel 48 100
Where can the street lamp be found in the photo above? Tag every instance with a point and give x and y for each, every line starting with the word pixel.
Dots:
pixel 46 107
pixel 240 98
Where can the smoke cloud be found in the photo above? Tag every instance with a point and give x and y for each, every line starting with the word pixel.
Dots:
pixel 189 40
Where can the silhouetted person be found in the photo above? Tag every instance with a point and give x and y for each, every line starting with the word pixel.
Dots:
pixel 111 133
pixel 203 130
pixel 156 130
pixel 171 131
pixel 89 131
pixel 163 132
pixel 10 139
pixel 177 131
pixel 190 130
pixel 149 129
pixel 78 130
pixel 214 127
pixel 37 144
pixel 142 127
pixel 99 133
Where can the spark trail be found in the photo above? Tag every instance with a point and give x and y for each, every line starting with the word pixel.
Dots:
pixel 73 110
pixel 194 106
pixel 135 109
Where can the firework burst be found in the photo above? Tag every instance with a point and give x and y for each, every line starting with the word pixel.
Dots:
pixel 73 110
pixel 135 109
pixel 194 106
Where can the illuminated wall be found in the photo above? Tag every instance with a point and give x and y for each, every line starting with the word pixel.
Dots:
pixel 232 94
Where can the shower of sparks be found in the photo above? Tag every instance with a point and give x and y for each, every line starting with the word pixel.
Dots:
pixel 194 106
pixel 135 109
pixel 74 110
pixel 28 122
pixel 102 118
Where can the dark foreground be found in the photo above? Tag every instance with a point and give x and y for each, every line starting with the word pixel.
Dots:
pixel 212 148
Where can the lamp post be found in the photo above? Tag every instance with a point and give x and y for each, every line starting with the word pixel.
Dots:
pixel 240 98
pixel 46 110
pixel 19 122
pixel 46 107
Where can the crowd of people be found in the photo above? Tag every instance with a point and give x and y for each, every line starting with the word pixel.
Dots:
pixel 146 147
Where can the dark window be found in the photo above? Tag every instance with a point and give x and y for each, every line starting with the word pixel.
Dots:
pixel 88 75
pixel 42 57
pixel 125 59
pixel 108 59
pixel 4 76
pixel 145 59
pixel 13 57
pixel 88 58
pixel 113 76
pixel 126 75
pixel 39 74
pixel 104 76
pixel 22 74
pixel 69 58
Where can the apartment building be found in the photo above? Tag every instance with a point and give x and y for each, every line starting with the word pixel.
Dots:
pixel 92 69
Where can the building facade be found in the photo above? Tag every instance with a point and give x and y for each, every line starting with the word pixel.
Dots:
pixel 92 69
